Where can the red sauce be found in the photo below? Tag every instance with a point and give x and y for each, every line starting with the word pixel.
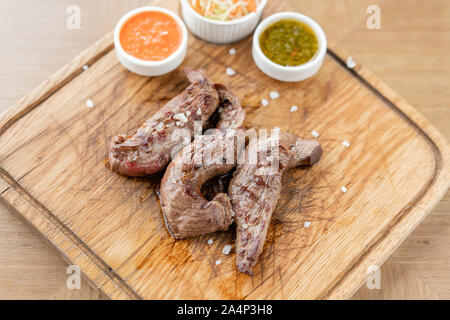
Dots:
pixel 151 36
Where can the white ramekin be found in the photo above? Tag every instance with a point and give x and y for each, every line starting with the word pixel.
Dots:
pixel 220 32
pixel 296 73
pixel 151 68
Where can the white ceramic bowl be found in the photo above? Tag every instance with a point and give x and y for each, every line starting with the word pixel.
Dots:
pixel 145 67
pixel 220 32
pixel 295 73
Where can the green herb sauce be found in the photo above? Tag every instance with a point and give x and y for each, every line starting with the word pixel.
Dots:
pixel 289 43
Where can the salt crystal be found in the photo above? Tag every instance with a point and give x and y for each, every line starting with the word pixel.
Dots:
pixel 160 126
pixel 245 226
pixel 188 113
pixel 199 111
pixel 315 134
pixel 264 102
pixel 230 72
pixel 307 223
pixel 294 108
pixel 274 95
pixel 180 116
pixel 350 63
pixel 89 103
pixel 343 189
pixel 85 67
pixel 232 51
pixel 276 129
pixel 210 241
pixel 179 124
pixel 226 249
pixel 346 144
pixel 218 262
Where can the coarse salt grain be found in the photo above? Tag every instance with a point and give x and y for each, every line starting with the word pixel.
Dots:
pixel 264 102
pixel 219 261
pixel 343 189
pixel 89 103
pixel 179 124
pixel 160 126
pixel 307 223
pixel 315 134
pixel 277 129
pixel 85 67
pixel 346 144
pixel 274 95
pixel 350 63
pixel 226 249
pixel 188 113
pixel 245 226
pixel 230 72
pixel 294 108
pixel 210 241
pixel 199 111
pixel 232 51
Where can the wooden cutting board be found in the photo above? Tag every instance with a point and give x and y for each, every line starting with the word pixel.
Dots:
pixel 52 172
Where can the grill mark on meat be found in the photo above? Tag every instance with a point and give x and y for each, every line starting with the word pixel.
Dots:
pixel 186 211
pixel 249 193
pixel 254 196
pixel 148 150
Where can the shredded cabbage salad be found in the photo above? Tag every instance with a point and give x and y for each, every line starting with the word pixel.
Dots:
pixel 224 10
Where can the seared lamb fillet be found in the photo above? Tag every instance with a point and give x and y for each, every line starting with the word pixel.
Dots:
pixel 254 191
pixel 186 211
pixel 149 149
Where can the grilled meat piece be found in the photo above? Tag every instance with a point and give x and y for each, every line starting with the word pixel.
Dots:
pixel 149 150
pixel 255 189
pixel 186 211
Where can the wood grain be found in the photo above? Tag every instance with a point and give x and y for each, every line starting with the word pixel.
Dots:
pixel 257 119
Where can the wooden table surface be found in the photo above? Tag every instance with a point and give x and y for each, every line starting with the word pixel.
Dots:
pixel 409 52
